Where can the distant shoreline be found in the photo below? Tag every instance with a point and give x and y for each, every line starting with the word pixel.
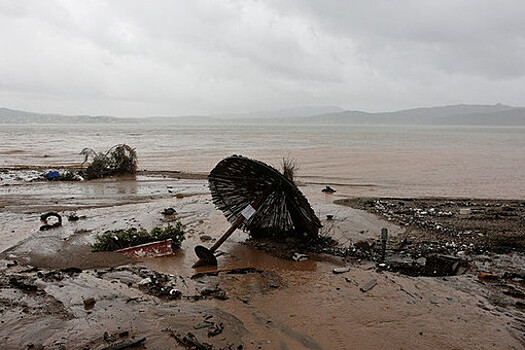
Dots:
pixel 454 115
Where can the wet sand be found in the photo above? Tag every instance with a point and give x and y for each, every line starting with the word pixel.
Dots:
pixel 274 303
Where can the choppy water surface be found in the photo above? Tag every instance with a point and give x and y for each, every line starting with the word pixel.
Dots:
pixel 393 160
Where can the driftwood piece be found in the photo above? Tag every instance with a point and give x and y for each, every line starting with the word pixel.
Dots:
pixel 126 344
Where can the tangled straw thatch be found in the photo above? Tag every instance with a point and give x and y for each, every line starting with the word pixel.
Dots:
pixel 237 181
pixel 289 167
pixel 119 159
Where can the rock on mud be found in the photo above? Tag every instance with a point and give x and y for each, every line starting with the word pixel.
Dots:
pixel 444 265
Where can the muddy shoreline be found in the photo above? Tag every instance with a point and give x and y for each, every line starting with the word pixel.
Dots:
pixel 55 293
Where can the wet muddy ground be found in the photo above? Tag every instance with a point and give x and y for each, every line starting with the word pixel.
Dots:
pixel 56 293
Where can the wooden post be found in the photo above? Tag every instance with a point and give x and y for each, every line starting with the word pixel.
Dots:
pixel 384 238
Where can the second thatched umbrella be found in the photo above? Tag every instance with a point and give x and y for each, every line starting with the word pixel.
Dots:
pixel 256 197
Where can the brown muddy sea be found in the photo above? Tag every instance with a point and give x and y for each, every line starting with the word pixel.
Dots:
pixel 444 161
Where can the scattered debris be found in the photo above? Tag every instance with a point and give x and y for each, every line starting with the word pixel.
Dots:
pixel 191 339
pixel 216 329
pixel 299 257
pixel 73 217
pixel 52 175
pixel 202 274
pixel 115 240
pixel 349 280
pixel 169 211
pixel 487 276
pixel 341 270
pixel 65 175
pixel 152 249
pixel 465 211
pixel 328 189
pixel 444 265
pixel 47 226
pixel 382 265
pixel 368 286
pixel 205 238
pixel 214 292
pixel 203 325
pixel 286 248
pixel 145 281
pixel 175 294
pixel 492 225
pixel 435 226
pixel 89 303
pixel 243 271
pixel 126 344
pixel 70 175
pixel 20 282
pixel 119 159
pixel 109 338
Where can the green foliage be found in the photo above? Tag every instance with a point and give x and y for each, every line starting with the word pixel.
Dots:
pixel 119 159
pixel 114 240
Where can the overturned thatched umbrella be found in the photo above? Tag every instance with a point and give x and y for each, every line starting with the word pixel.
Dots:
pixel 256 197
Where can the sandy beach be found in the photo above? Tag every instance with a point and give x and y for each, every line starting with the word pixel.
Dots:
pixel 56 293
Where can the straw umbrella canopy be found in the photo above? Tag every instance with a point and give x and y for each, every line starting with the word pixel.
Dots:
pixel 237 181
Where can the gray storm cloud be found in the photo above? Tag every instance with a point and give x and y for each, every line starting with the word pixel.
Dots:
pixel 135 58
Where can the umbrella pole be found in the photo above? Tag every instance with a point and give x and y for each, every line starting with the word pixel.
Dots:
pixel 205 255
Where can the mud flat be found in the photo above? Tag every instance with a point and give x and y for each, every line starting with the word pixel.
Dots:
pixel 56 293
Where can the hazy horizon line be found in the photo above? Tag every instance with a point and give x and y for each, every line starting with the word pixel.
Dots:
pixel 245 114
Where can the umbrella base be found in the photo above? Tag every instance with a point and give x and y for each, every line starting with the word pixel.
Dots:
pixel 206 257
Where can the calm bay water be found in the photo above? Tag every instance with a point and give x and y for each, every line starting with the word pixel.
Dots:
pixel 390 160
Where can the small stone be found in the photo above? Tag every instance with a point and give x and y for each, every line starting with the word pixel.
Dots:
pixel 175 293
pixel 205 238
pixel 169 211
pixel 145 281
pixel 328 189
pixel 341 270
pixel 89 303
pixel 368 286
pixel 73 217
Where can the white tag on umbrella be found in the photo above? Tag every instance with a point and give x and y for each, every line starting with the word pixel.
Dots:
pixel 248 212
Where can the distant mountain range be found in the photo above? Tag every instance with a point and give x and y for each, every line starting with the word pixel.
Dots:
pixel 490 115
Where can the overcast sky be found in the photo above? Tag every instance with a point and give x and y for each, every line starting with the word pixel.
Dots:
pixel 138 58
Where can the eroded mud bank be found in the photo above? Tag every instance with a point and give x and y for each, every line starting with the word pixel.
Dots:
pixel 55 293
